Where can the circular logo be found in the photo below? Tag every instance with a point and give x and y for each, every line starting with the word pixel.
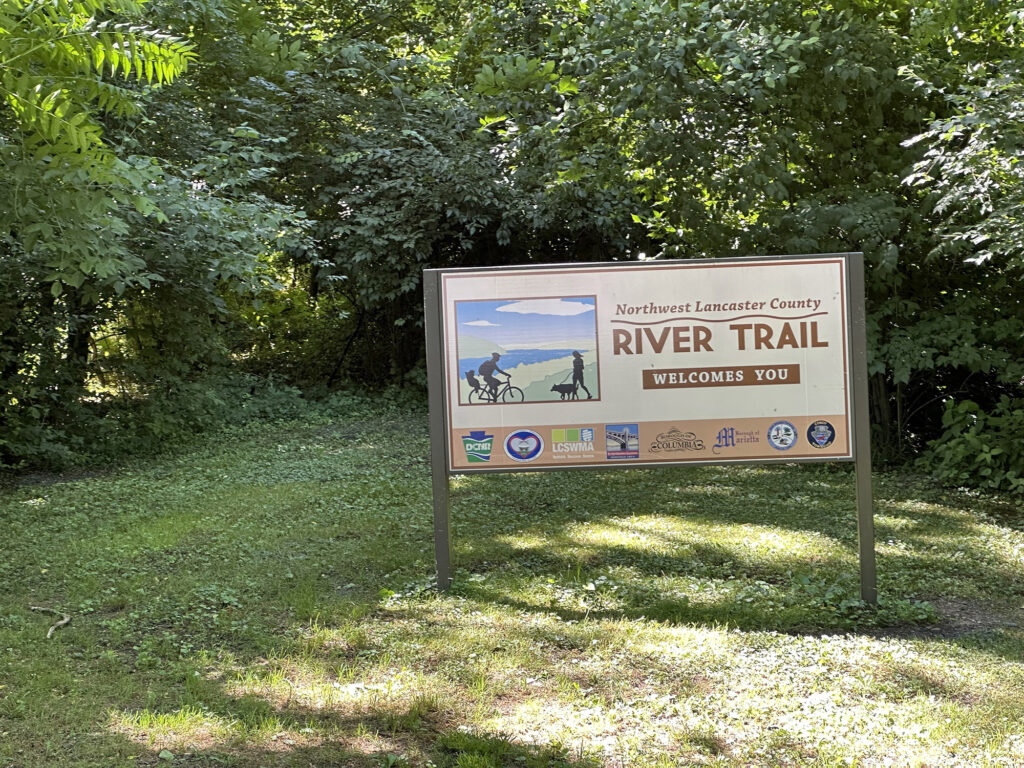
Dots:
pixel 782 435
pixel 821 434
pixel 523 445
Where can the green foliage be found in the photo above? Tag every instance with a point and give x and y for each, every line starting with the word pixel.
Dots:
pixel 309 344
pixel 52 60
pixel 980 448
pixel 122 251
pixel 840 597
pixel 273 211
pixel 64 201
pixel 392 164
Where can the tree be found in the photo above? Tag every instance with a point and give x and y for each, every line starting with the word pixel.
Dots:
pixel 62 64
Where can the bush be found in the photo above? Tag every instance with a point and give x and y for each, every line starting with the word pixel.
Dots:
pixel 102 429
pixel 978 448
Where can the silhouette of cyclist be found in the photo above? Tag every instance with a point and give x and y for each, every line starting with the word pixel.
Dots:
pixel 487 369
pixel 577 374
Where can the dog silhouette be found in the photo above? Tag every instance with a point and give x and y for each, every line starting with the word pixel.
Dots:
pixel 565 390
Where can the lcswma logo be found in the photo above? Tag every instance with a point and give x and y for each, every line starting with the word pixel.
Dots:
pixel 572 440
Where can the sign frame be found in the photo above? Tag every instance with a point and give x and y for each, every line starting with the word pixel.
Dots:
pixel 857 405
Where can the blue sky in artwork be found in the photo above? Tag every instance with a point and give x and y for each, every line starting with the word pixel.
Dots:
pixel 528 323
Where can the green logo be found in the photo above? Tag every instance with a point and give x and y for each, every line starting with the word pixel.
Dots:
pixel 478 446
pixel 573 440
pixel 576 435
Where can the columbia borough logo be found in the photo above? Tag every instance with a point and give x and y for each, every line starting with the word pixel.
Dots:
pixel 674 440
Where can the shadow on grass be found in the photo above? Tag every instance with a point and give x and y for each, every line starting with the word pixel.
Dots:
pixel 525 529
pixel 388 737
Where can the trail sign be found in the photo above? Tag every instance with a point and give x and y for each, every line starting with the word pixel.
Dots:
pixel 648 363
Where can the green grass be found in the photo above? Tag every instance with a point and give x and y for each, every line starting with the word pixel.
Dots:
pixel 262 598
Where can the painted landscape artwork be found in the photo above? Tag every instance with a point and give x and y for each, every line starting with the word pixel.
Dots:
pixel 540 343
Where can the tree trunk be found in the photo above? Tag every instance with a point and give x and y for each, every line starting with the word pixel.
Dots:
pixel 80 327
pixel 881 417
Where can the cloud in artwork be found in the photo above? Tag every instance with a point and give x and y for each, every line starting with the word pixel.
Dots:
pixel 559 307
pixel 483 323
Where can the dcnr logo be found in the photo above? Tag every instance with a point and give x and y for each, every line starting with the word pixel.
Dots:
pixel 477 445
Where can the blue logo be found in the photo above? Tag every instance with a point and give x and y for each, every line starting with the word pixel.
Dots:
pixel 821 434
pixel 524 445
pixel 730 437
pixel 782 435
pixel 726 439
pixel 622 441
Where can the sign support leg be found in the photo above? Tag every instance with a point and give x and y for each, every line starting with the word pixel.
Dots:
pixel 438 428
pixel 862 433
pixel 866 533
pixel 442 531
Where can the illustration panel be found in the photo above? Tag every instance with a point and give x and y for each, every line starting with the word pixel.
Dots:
pixel 530 350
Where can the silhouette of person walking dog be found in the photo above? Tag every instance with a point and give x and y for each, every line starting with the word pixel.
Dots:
pixel 572 390
pixel 577 374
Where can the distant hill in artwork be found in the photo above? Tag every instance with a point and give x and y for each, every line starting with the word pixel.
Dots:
pixel 474 346
pixel 580 345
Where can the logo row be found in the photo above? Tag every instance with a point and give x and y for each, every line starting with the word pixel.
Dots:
pixel 622 441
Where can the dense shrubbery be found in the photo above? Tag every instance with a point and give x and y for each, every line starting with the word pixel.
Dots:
pixel 102 429
pixel 980 448
pixel 270 211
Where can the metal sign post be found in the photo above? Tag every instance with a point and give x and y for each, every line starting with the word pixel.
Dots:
pixel 438 428
pixel 862 432
pixel 703 361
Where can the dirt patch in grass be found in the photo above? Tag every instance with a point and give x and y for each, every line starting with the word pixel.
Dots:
pixel 957 618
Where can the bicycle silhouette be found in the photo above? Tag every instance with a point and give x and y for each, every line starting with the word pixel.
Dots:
pixel 506 394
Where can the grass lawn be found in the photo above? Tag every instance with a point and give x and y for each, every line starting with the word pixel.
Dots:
pixel 262 599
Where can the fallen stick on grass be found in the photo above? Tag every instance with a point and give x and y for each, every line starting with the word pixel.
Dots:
pixel 58 625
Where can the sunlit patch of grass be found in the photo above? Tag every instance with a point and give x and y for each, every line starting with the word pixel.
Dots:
pixel 614 534
pixel 289 682
pixel 188 728
pixel 707 644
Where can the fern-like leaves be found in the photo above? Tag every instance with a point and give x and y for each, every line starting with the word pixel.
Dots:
pixel 57 63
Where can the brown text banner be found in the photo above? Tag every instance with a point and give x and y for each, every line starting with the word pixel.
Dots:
pixel 721 376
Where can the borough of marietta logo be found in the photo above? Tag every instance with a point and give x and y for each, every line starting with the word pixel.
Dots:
pixel 572 441
pixel 674 440
pixel 730 437
pixel 478 446
pixel 821 434
pixel 782 435
pixel 524 445
pixel 622 441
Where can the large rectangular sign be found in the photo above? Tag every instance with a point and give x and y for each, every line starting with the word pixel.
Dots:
pixel 659 362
